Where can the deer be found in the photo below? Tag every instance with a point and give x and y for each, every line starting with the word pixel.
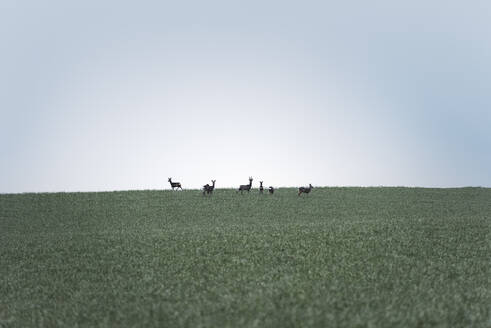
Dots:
pixel 209 189
pixel 305 190
pixel 261 189
pixel 176 185
pixel 271 190
pixel 246 187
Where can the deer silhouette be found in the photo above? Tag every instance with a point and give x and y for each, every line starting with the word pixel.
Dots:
pixel 209 189
pixel 305 190
pixel 271 190
pixel 246 187
pixel 261 189
pixel 176 185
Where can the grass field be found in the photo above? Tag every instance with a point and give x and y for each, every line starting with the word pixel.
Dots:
pixel 339 257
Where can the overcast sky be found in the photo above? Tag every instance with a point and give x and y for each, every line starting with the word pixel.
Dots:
pixel 111 95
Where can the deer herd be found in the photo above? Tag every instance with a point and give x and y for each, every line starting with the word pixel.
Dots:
pixel 208 189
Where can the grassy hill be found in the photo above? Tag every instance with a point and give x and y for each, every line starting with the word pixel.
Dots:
pixel 339 257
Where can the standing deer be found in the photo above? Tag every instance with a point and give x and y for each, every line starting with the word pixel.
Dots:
pixel 261 189
pixel 174 184
pixel 246 187
pixel 209 189
pixel 271 190
pixel 305 190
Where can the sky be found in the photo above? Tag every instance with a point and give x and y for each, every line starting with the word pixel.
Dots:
pixel 120 95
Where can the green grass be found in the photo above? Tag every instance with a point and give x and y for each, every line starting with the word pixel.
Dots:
pixel 339 257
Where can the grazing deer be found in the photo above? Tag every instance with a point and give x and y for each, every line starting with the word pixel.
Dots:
pixel 246 187
pixel 209 189
pixel 261 189
pixel 305 189
pixel 174 184
pixel 271 190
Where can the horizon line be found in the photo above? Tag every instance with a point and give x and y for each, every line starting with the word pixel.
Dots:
pixel 234 188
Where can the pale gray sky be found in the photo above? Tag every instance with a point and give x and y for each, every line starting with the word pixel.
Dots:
pixel 107 95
